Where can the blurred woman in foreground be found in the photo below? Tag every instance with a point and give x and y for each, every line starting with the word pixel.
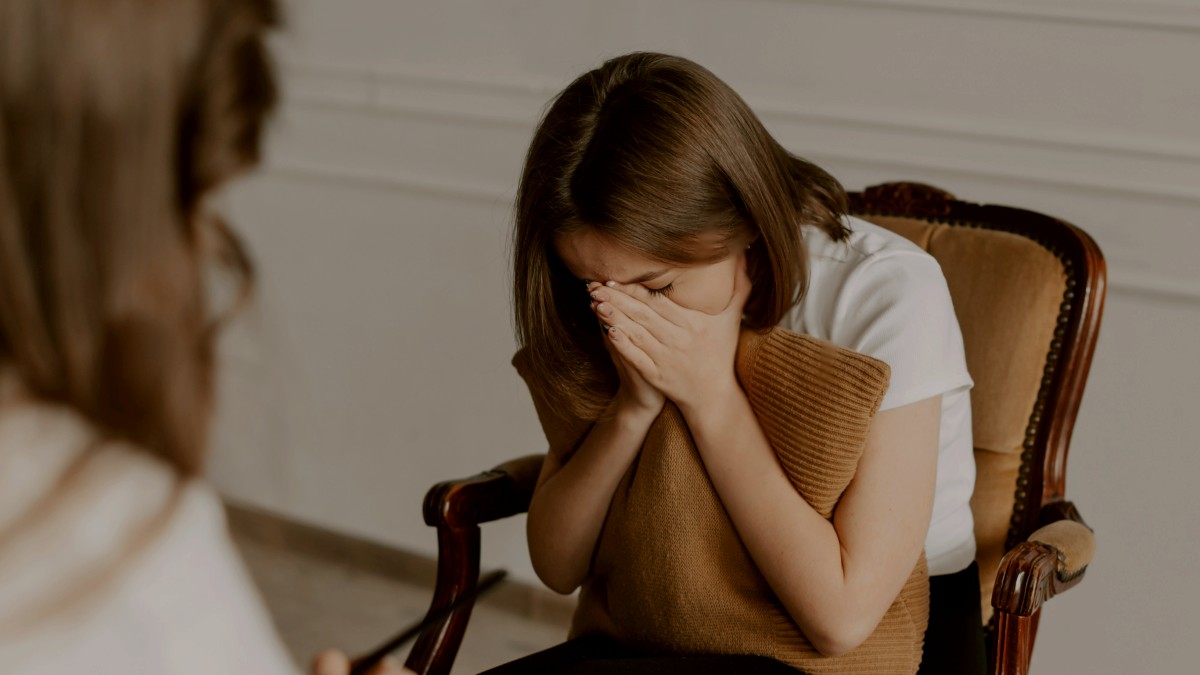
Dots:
pixel 117 119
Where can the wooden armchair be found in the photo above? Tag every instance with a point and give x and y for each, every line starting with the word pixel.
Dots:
pixel 1029 293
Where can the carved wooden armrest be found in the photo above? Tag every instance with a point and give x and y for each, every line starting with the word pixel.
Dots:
pixel 499 493
pixel 1049 562
pixel 456 508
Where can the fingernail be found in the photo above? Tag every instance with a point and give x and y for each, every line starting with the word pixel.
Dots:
pixel 598 297
pixel 610 284
pixel 604 309
pixel 614 333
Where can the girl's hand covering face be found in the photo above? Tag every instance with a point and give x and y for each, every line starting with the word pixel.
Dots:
pixel 636 394
pixel 685 354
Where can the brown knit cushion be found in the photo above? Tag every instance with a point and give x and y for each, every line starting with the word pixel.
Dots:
pixel 670 573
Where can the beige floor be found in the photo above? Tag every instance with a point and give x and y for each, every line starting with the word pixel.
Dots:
pixel 317 603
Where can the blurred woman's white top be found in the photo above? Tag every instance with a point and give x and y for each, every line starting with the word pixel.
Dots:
pixel 110 563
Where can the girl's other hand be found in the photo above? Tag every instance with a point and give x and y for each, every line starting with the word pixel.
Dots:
pixel 636 395
pixel 334 662
pixel 686 354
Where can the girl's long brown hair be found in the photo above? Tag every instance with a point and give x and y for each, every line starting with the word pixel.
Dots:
pixel 117 118
pixel 653 151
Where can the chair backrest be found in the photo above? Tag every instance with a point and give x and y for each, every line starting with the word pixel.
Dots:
pixel 1028 291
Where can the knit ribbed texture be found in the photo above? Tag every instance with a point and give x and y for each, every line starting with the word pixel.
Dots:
pixel 670 573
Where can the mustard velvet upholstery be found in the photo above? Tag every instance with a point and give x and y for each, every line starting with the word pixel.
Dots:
pixel 995 483
pixel 1006 291
pixel 916 231
pixel 1074 542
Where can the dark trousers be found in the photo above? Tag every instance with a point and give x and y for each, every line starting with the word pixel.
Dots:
pixel 954 639
pixel 953 645
pixel 601 655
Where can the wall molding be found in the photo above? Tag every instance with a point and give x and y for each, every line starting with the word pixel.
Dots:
pixel 491 194
pixel 1026 176
pixel 1120 280
pixel 377 92
pixel 947 127
pixel 391 180
pixel 1156 16
pixel 516 104
pixel 508 105
pixel 1128 282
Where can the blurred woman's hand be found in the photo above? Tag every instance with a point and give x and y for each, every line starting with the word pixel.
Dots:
pixel 334 662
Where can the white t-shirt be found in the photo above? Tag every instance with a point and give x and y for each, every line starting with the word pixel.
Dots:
pixel 181 603
pixel 881 295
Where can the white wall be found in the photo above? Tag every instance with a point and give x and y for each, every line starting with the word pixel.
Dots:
pixel 376 360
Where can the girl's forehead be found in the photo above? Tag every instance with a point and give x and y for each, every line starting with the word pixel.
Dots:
pixel 596 257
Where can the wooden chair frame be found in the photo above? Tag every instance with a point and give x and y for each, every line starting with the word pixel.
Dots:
pixel 1029 574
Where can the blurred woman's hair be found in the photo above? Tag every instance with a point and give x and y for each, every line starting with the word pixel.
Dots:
pixel 117 119
pixel 655 152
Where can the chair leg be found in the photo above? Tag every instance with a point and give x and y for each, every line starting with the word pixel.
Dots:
pixel 1014 643
pixel 458 573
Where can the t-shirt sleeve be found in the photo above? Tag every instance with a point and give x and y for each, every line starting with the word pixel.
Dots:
pixel 897 308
